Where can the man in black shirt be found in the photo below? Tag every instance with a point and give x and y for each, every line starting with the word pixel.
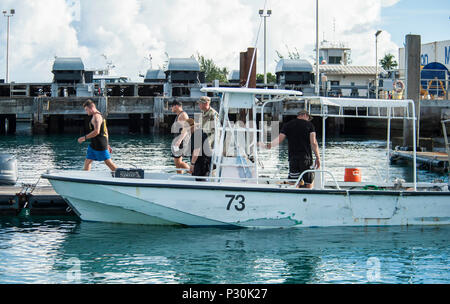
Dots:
pixel 302 142
pixel 200 151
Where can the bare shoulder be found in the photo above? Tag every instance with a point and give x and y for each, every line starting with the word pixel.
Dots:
pixel 97 117
pixel 183 117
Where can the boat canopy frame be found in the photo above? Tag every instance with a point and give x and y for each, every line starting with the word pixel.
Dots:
pixel 324 107
pixel 388 109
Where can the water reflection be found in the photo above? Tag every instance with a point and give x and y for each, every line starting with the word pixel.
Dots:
pixel 43 251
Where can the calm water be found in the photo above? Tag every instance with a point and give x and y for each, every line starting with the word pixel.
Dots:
pixel 63 250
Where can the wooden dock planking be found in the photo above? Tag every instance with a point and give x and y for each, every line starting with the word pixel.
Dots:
pixel 434 161
pixel 12 190
pixel 42 201
pixel 430 155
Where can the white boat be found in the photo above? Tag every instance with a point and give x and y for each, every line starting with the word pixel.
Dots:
pixel 235 194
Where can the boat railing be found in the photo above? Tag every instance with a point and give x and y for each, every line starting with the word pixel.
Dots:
pixel 317 171
pixel 260 180
pixel 376 169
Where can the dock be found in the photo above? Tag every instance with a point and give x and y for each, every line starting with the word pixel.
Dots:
pixel 42 201
pixel 432 161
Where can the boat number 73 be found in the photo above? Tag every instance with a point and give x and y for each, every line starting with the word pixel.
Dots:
pixel 239 199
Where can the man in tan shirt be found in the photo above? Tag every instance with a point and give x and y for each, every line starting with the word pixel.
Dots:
pixel 209 116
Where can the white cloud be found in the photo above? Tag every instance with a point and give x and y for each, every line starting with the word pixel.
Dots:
pixel 128 31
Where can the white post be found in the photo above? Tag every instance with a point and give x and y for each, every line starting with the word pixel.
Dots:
pixel 414 146
pixel 388 144
pixel 324 117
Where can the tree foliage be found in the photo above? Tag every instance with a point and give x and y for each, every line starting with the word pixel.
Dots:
pixel 212 71
pixel 388 62
pixel 271 78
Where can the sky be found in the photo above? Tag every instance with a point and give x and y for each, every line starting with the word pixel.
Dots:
pixel 130 32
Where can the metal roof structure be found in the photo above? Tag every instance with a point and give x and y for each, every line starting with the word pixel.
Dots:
pixel 234 75
pixel 339 69
pixel 293 65
pixel 183 64
pixel 68 64
pixel 155 75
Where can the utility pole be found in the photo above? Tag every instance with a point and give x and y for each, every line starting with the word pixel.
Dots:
pixel 316 86
pixel 265 13
pixel 376 63
pixel 8 15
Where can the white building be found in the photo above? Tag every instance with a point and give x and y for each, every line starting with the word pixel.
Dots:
pixel 438 51
pixel 335 68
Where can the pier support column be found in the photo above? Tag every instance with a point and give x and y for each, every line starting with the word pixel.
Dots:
pixel 2 124
pixel 11 123
pixel 158 113
pixel 134 126
pixel 412 57
pixel 146 123
pixel 56 124
pixel 39 125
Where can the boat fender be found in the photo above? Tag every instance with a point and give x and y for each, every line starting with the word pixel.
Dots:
pixel 129 173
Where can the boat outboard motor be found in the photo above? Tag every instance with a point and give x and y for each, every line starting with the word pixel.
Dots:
pixel 8 169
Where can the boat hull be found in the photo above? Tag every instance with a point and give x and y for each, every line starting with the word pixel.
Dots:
pixel 206 204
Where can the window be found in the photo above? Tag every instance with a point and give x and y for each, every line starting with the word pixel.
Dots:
pixel 334 60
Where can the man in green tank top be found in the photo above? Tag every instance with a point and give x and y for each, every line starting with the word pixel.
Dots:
pixel 98 149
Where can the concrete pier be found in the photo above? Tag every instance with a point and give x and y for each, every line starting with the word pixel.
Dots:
pixel 152 114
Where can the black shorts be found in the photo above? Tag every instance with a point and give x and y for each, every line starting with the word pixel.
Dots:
pixel 297 166
pixel 179 153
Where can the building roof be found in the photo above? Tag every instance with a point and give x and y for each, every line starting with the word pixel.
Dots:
pixel 339 69
pixel 155 75
pixel 234 75
pixel 183 64
pixel 293 65
pixel 68 64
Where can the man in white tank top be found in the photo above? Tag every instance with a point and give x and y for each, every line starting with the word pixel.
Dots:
pixel 177 143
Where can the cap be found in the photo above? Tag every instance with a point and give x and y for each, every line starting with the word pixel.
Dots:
pixel 204 99
pixel 305 112
pixel 176 103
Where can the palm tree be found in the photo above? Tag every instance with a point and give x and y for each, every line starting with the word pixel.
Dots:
pixel 388 62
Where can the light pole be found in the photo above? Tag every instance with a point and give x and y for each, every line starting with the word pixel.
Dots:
pixel 8 15
pixel 376 63
pixel 316 86
pixel 265 13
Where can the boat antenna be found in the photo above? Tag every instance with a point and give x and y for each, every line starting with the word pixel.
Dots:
pixel 256 42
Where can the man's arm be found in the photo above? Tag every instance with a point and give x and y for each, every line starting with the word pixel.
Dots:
pixel 97 122
pixel 315 148
pixel 195 155
pixel 274 142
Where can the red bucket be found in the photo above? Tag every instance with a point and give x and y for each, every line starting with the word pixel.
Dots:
pixel 352 175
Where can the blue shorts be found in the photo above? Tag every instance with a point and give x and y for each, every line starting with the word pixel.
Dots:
pixel 97 155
